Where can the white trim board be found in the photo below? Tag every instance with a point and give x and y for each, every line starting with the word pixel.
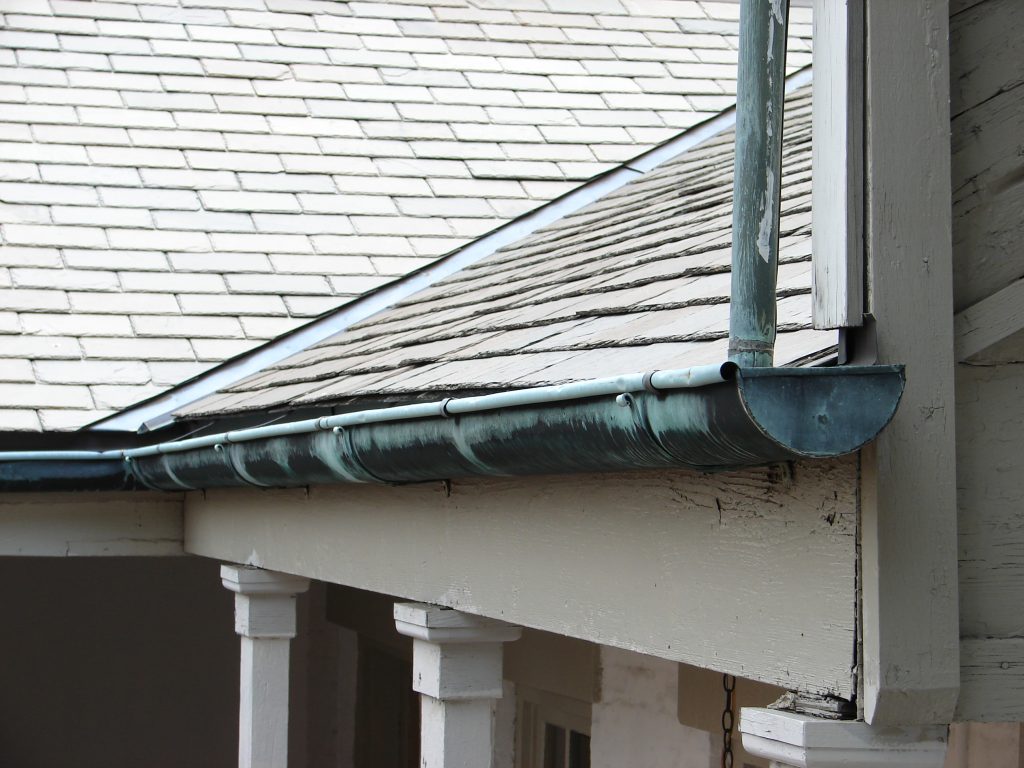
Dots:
pixel 837 194
pixel 711 570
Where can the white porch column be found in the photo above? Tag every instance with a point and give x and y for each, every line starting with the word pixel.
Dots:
pixel 457 672
pixel 265 619
pixel 789 740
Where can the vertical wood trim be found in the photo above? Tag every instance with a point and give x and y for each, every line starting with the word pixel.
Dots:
pixel 908 511
pixel 837 200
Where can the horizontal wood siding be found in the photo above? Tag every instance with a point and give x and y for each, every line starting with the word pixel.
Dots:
pixel 990 480
pixel 987 51
pixel 748 572
pixel 987 95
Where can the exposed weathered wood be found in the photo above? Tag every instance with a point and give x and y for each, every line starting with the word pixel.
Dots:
pixel 68 525
pixel 750 572
pixel 992 680
pixel 987 46
pixel 838 240
pixel 991 320
pixel 986 50
pixel 959 6
pixel 910 635
pixel 987 94
pixel 990 484
pixel 988 195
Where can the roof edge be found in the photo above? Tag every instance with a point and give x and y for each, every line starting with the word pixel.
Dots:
pixel 705 418
pixel 156 411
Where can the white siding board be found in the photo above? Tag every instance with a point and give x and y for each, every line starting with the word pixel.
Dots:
pixel 988 106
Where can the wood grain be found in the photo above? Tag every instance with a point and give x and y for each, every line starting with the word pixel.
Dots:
pixel 748 572
pixel 992 680
pixel 990 321
pixel 910 607
pixel 838 284
pixel 100 524
pixel 987 50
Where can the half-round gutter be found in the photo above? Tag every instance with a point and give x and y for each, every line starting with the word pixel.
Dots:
pixel 753 417
pixel 707 418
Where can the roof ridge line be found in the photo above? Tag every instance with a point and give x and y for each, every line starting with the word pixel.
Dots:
pixel 155 412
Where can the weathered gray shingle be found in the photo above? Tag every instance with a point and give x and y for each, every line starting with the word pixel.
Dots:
pixel 155 157
pixel 638 280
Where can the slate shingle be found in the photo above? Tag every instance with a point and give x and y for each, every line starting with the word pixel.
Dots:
pixel 637 280
pixel 150 138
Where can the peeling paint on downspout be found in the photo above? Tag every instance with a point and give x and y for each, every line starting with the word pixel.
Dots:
pixel 765 229
pixel 757 187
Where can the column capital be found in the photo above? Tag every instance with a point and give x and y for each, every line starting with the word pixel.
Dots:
pixel 456 667
pixel 435 624
pixel 264 600
pixel 247 580
pixel 789 739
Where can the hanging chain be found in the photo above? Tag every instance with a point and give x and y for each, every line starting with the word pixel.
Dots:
pixel 728 719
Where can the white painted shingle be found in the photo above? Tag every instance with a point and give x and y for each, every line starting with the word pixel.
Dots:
pixel 182 180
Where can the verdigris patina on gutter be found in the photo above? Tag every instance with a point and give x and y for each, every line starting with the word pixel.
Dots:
pixel 752 417
pixel 708 418
pixel 743 413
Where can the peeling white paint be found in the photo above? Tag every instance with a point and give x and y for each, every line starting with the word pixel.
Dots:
pixel 764 230
pixel 777 15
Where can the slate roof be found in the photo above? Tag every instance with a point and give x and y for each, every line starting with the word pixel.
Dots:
pixel 638 280
pixel 181 180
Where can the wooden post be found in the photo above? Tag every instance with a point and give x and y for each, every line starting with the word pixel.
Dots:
pixel 910 627
pixel 265 619
pixel 457 672
pixel 789 740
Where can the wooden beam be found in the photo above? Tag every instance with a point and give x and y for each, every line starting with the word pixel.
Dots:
pixel 749 572
pixel 837 196
pixel 83 524
pixel 991 320
pixel 910 637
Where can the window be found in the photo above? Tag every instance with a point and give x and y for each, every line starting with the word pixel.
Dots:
pixel 553 731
